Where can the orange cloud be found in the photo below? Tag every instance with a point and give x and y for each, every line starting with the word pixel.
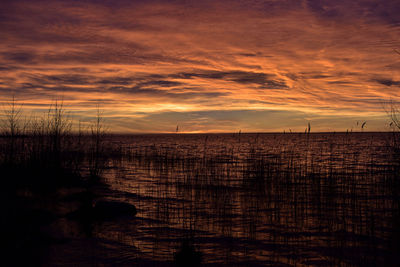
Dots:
pixel 142 61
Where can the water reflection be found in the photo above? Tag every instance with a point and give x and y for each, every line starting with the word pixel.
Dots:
pixel 268 199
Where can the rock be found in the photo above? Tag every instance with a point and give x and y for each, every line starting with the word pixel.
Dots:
pixel 104 209
pixel 83 196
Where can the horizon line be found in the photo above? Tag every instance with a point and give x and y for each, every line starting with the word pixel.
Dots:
pixel 280 132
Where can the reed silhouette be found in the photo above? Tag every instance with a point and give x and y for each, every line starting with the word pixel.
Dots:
pixel 216 199
pixel 49 172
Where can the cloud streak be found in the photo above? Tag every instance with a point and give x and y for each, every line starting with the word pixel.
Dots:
pixel 142 59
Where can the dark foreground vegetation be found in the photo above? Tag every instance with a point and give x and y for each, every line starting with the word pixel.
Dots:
pixel 51 179
pixel 70 198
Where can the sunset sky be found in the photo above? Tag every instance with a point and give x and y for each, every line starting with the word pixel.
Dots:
pixel 207 66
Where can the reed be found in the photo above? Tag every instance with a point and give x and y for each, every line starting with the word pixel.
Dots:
pixel 326 197
pixel 251 199
pixel 44 150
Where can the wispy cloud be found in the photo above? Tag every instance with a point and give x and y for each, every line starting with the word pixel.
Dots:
pixel 316 57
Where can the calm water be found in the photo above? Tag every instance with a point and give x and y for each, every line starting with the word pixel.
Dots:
pixel 249 199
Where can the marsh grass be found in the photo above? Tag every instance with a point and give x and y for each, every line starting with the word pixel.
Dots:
pixel 307 199
pixel 48 171
pixel 250 199
pixel 47 148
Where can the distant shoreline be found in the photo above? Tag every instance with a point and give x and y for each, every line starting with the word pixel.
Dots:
pixel 225 133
